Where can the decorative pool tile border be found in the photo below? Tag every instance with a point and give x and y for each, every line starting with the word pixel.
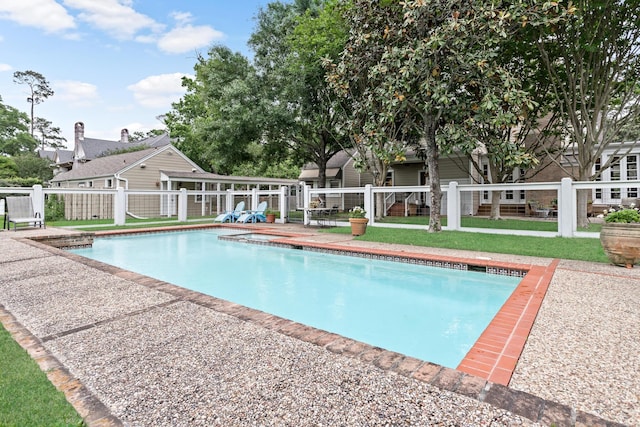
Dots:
pixel 453 265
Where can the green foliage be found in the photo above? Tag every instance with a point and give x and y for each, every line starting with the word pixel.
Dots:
pixel 49 135
pixel 31 166
pixel 14 135
pixel 628 215
pixel 217 118
pixel 19 182
pixel 302 120
pixel 27 397
pixel 139 135
pixel 8 167
pixel 39 89
pixel 54 208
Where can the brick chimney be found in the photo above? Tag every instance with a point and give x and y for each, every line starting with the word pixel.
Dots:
pixel 78 149
pixel 124 135
pixel 79 132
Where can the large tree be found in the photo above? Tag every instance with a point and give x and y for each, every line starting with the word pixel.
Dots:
pixel 39 90
pixel 14 131
pixel 290 43
pixel 49 135
pixel 215 122
pixel 593 61
pixel 423 64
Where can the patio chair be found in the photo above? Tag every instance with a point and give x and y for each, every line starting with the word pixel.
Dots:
pixel 20 211
pixel 231 216
pixel 254 216
pixel 537 210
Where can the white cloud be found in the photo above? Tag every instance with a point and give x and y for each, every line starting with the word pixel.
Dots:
pixel 77 94
pixel 5 67
pixel 158 91
pixel 115 17
pixel 182 18
pixel 47 15
pixel 185 38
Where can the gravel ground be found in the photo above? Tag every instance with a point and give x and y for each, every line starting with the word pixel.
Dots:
pixel 155 360
pixel 584 348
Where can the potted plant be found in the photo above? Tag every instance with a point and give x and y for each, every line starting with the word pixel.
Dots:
pixel 358 221
pixel 620 235
pixel 270 214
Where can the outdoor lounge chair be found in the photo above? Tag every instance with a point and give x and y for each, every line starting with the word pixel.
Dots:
pixel 20 211
pixel 537 210
pixel 231 216
pixel 254 216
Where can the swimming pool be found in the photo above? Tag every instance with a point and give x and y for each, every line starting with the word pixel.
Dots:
pixel 429 313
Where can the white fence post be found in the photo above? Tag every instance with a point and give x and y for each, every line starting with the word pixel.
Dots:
pixel 453 207
pixel 369 203
pixel 284 204
pixel 119 207
pixel 182 205
pixel 566 208
pixel 228 202
pixel 305 204
pixel 38 200
pixel 255 198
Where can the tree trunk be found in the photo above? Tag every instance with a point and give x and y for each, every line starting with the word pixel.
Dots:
pixel 322 179
pixel 431 149
pixel 495 205
pixel 583 196
pixel 582 212
pixel 495 195
pixel 380 206
pixel 380 180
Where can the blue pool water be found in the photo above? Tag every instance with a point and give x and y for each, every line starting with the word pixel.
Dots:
pixel 429 313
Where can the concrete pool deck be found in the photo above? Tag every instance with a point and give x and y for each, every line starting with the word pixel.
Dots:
pixel 131 350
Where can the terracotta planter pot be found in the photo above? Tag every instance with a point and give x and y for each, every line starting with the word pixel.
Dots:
pixel 621 243
pixel 358 226
pixel 271 218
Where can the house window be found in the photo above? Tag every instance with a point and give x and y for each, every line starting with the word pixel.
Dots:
pixel 615 176
pixel 632 174
pixel 598 191
pixel 108 183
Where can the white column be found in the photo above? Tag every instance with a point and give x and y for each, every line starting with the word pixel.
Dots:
pixel 38 200
pixel 453 207
pixel 567 208
pixel 369 202
pixel 284 204
pixel 120 207
pixel 255 198
pixel 305 203
pixel 182 205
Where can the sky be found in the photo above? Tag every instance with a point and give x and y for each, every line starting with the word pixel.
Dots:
pixel 113 64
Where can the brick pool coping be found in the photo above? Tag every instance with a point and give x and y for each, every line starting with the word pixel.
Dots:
pixel 483 374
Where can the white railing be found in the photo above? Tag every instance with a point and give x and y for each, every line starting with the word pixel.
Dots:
pixel 458 201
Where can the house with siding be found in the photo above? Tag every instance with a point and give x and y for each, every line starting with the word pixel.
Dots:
pixel 412 172
pixel 158 168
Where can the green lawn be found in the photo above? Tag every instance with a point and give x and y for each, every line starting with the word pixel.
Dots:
pixel 584 249
pixel 27 398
